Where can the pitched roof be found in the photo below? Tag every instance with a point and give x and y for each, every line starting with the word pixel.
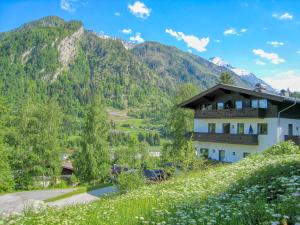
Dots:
pixel 196 99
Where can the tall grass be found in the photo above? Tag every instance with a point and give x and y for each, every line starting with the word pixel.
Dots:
pixel 262 189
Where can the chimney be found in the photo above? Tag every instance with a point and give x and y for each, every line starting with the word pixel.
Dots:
pixel 259 87
pixel 285 93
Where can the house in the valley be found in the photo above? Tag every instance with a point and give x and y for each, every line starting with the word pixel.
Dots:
pixel 232 122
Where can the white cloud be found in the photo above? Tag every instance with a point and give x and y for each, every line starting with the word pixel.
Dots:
pixel 117 14
pixel 137 38
pixel 259 62
pixel 230 31
pixel 284 80
pixel 243 30
pixel 139 9
pixel 298 52
pixel 126 31
pixel 192 41
pixel 68 5
pixel 173 33
pixel 275 43
pixel 217 40
pixel 272 57
pixel 284 16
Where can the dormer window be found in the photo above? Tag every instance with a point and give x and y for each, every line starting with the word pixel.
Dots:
pixel 263 103
pixel 220 105
pixel 254 104
pixel 239 104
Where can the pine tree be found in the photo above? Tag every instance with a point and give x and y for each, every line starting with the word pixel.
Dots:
pixel 93 161
pixel 226 78
pixel 180 122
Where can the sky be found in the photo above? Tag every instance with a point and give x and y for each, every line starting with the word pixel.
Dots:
pixel 260 36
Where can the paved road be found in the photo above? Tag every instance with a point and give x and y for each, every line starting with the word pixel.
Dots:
pixel 84 197
pixel 17 202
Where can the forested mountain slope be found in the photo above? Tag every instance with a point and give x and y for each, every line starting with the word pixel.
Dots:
pixel 54 58
pixel 178 66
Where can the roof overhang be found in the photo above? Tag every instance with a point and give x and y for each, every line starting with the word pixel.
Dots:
pixel 206 95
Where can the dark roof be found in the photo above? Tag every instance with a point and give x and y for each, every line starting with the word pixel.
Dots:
pixel 190 103
pixel 68 165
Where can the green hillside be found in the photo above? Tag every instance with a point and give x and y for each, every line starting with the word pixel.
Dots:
pixel 178 66
pixel 262 189
pixel 54 58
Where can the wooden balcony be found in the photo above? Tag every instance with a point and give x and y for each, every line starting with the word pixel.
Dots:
pixel 231 113
pixel 295 139
pixel 241 139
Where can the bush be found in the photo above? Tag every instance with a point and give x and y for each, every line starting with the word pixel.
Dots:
pixel 6 177
pixel 61 184
pixel 131 180
pixel 284 148
pixel 73 179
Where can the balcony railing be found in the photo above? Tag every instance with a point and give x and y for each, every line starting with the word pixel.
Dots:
pixel 295 139
pixel 231 113
pixel 241 139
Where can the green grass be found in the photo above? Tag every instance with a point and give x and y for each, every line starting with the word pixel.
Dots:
pixel 262 189
pixel 136 126
pixel 79 190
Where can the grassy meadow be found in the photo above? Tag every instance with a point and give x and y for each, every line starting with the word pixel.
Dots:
pixel 261 189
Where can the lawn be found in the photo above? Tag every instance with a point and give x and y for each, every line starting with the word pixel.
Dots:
pixel 262 189
pixel 134 126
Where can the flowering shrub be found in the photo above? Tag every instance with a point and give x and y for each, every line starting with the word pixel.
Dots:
pixel 264 189
pixel 287 147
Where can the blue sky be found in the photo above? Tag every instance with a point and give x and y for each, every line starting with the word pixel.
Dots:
pixel 260 36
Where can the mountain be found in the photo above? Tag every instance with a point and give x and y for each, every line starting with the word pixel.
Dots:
pixel 245 75
pixel 54 58
pixel 178 66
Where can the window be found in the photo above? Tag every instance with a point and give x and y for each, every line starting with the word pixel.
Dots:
pixel 254 104
pixel 233 153
pixel 263 103
pixel 246 154
pixel 250 129
pixel 290 129
pixel 211 128
pixel 220 105
pixel 262 128
pixel 221 155
pixel 239 104
pixel 204 152
pixel 240 128
pixel 226 128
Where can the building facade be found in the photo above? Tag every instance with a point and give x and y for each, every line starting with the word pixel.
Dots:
pixel 232 122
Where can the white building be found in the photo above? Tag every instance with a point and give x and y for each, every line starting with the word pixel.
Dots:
pixel 233 122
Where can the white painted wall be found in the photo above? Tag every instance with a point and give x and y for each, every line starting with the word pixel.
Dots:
pixel 265 141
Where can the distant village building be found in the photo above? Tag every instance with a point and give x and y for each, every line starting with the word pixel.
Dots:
pixel 232 122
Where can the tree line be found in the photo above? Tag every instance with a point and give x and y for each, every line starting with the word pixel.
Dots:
pixel 33 140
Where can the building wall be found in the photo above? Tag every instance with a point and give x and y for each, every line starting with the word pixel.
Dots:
pixel 265 141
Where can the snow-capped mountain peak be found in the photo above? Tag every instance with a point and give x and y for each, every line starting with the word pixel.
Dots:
pixel 244 74
pixel 218 61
